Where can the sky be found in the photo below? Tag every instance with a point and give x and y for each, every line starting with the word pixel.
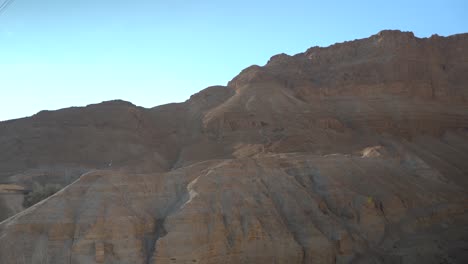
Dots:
pixel 62 53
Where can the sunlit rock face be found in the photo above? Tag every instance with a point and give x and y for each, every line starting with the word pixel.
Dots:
pixel 353 153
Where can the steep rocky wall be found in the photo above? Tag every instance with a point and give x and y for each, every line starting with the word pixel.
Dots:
pixel 351 153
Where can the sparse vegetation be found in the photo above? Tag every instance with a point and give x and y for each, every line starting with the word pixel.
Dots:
pixel 39 193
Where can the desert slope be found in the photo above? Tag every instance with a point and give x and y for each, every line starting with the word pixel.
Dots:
pixel 274 208
pixel 350 153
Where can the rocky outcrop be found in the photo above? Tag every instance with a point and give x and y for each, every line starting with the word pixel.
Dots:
pixel 283 208
pixel 353 153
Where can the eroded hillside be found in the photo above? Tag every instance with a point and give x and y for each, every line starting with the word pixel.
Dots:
pixel 350 153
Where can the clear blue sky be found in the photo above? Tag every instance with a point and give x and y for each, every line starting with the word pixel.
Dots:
pixel 60 53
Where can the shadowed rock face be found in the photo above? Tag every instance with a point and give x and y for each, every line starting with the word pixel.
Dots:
pixel 351 153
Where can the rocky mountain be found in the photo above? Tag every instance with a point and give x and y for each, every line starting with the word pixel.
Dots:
pixel 353 153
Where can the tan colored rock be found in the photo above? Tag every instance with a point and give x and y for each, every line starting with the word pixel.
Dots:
pixel 353 153
pixel 291 208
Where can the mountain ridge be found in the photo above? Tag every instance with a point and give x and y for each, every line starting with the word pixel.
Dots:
pixel 350 153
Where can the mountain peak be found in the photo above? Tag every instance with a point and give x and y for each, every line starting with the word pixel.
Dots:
pixel 395 33
pixel 115 102
pixel 354 152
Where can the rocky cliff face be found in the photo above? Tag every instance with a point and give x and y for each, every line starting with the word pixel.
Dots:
pixel 351 153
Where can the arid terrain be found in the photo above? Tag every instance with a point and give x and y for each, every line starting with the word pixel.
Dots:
pixel 352 153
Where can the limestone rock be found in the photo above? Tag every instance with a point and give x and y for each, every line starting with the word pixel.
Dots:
pixel 353 153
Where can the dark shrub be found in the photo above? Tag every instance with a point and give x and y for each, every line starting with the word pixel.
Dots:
pixel 39 193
